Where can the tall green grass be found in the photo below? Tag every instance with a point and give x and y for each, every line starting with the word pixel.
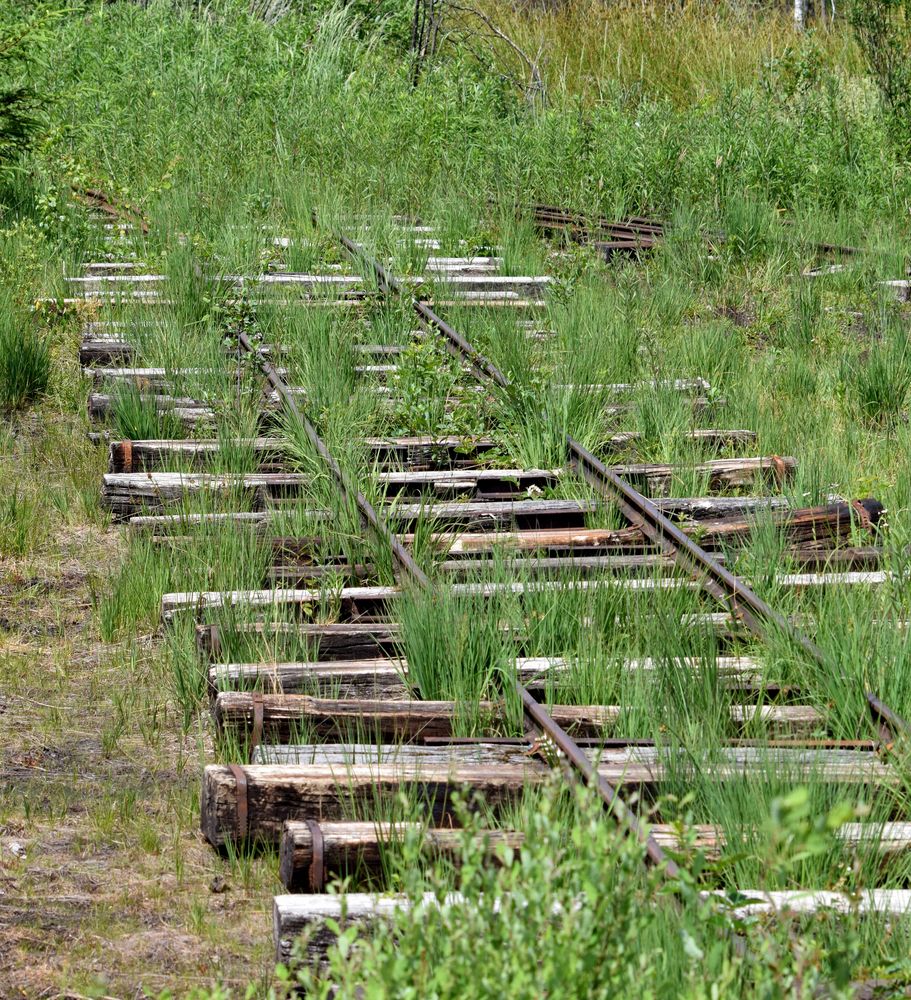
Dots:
pixel 25 359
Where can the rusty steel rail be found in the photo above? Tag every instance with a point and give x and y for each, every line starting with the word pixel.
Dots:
pixel 758 616
pixel 581 762
pixel 729 590
pixel 456 344
pixel 402 556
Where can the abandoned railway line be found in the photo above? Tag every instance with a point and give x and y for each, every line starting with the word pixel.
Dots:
pixel 324 698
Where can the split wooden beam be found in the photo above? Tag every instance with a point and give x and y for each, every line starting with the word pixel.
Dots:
pixel 190 412
pixel 105 349
pixel 350 847
pixel 518 513
pixel 253 802
pixel 337 641
pixel 828 525
pixel 125 493
pixel 152 455
pixel 109 344
pixel 368 639
pixel 546 514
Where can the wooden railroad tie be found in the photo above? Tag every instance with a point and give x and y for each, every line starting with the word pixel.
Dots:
pixel 388 677
pixel 281 715
pixel 333 779
pixel 351 848
pixel 314 917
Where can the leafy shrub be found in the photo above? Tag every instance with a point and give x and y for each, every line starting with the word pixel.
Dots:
pixel 798 68
pixel 575 913
pixel 431 398
pixel 21 42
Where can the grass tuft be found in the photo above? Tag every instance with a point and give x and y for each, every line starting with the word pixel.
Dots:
pixel 25 361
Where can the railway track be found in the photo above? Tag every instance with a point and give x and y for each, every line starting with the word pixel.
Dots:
pixel 319 686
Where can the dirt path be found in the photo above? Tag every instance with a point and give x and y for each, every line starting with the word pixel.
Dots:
pixel 106 888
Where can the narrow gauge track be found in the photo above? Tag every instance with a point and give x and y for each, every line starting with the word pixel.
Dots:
pixel 732 592
pixel 232 804
pixel 628 237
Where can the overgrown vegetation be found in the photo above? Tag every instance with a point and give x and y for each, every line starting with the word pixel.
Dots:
pixel 225 125
pixel 25 31
pixel 25 360
pixel 537 925
pixel 884 30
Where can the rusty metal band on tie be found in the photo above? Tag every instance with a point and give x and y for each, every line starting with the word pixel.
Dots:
pixel 240 780
pixel 127 455
pixel 863 515
pixel 780 469
pixel 257 736
pixel 317 856
pixel 215 645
